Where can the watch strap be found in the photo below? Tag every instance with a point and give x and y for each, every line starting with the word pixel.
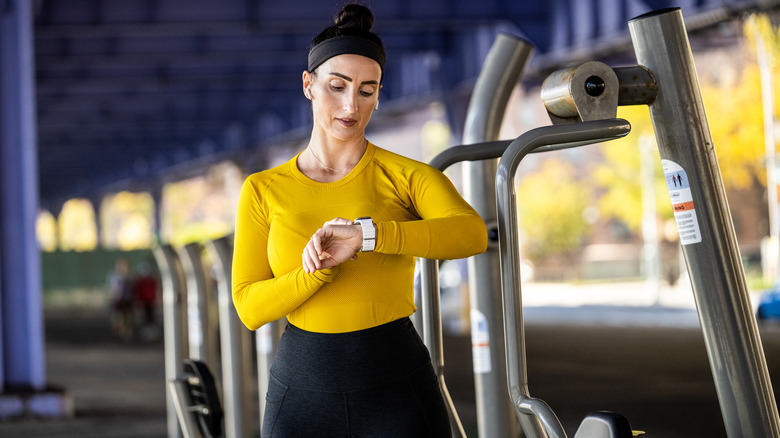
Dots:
pixel 369 233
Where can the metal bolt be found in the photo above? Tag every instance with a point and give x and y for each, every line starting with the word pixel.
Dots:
pixel 595 86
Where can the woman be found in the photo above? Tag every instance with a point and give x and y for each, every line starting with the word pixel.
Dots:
pixel 350 362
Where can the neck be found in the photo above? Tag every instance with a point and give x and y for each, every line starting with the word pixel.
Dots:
pixel 328 162
pixel 338 158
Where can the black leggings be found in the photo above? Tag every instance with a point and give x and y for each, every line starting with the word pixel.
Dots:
pixel 377 382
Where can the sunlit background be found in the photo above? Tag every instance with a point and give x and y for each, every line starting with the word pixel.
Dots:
pixel 580 208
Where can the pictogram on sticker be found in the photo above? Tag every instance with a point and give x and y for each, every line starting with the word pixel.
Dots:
pixel 682 202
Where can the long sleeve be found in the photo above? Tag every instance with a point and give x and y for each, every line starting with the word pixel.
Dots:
pixel 418 213
pixel 258 296
pixel 449 227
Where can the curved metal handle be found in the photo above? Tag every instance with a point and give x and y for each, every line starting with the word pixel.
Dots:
pixel 546 138
pixel 429 274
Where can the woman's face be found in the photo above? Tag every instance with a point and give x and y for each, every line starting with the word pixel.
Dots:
pixel 344 93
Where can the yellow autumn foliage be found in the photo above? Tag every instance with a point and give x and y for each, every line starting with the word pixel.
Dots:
pixel 736 122
pixel 551 209
pixel 735 117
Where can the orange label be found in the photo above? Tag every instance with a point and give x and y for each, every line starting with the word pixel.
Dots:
pixel 684 206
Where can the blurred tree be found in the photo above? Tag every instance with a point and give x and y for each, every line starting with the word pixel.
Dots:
pixel 201 208
pixel 617 176
pixel 46 231
pixel 734 113
pixel 127 221
pixel 77 226
pixel 552 202
pixel 736 122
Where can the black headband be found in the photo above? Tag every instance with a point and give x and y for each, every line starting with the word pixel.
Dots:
pixel 346 44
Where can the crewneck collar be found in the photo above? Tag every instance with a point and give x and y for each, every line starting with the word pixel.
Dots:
pixel 364 160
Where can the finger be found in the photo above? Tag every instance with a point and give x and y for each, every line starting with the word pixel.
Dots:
pixel 316 240
pixel 305 263
pixel 312 256
pixel 308 264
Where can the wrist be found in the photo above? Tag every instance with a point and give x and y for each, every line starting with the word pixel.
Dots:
pixel 369 231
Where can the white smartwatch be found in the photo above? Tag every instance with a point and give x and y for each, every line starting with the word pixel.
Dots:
pixel 369 233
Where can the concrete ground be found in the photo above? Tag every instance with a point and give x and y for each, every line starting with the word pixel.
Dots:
pixel 590 347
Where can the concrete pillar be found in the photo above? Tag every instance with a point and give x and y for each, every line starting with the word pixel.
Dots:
pixel 23 358
pixel 23 389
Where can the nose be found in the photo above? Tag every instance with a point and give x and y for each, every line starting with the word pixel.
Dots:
pixel 350 102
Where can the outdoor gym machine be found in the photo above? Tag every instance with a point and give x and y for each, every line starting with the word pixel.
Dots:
pixel 582 103
pixel 666 81
pixel 501 70
pixel 706 232
pixel 193 317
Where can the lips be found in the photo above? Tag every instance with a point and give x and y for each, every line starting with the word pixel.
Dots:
pixel 347 122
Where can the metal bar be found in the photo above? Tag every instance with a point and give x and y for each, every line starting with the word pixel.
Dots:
pixel 266 340
pixel 236 343
pixel 203 334
pixel 636 86
pixel 177 388
pixel 174 302
pixel 432 335
pixel 706 231
pixel 472 152
pixel 500 73
pixel 429 274
pixel 536 418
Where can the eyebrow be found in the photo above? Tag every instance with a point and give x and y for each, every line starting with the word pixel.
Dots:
pixel 349 79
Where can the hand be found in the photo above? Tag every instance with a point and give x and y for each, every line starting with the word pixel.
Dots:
pixel 336 242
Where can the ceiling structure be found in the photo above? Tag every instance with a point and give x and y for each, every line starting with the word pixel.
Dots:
pixel 137 92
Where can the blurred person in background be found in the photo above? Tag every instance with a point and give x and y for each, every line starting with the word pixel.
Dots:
pixel 145 294
pixel 120 287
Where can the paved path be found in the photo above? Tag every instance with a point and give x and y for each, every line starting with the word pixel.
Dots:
pixel 589 347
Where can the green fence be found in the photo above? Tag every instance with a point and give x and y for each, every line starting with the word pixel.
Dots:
pixel 81 278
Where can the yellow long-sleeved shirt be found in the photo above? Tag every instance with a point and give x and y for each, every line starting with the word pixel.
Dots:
pixel 417 211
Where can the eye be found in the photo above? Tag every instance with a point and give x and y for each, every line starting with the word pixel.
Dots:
pixel 337 86
pixel 367 92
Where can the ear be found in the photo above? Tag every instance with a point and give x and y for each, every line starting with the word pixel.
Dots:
pixel 307 81
pixel 376 108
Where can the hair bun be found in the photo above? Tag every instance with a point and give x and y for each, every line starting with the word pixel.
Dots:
pixel 355 16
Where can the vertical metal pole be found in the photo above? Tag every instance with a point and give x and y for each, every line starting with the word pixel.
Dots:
pixel 430 327
pixel 500 73
pixel 174 323
pixel 236 343
pixel 189 426
pixel 266 340
pixel 706 231
pixel 432 335
pixel 22 344
pixel 203 333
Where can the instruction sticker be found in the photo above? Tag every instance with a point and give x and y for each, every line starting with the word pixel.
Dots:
pixel 264 339
pixel 480 342
pixel 682 202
